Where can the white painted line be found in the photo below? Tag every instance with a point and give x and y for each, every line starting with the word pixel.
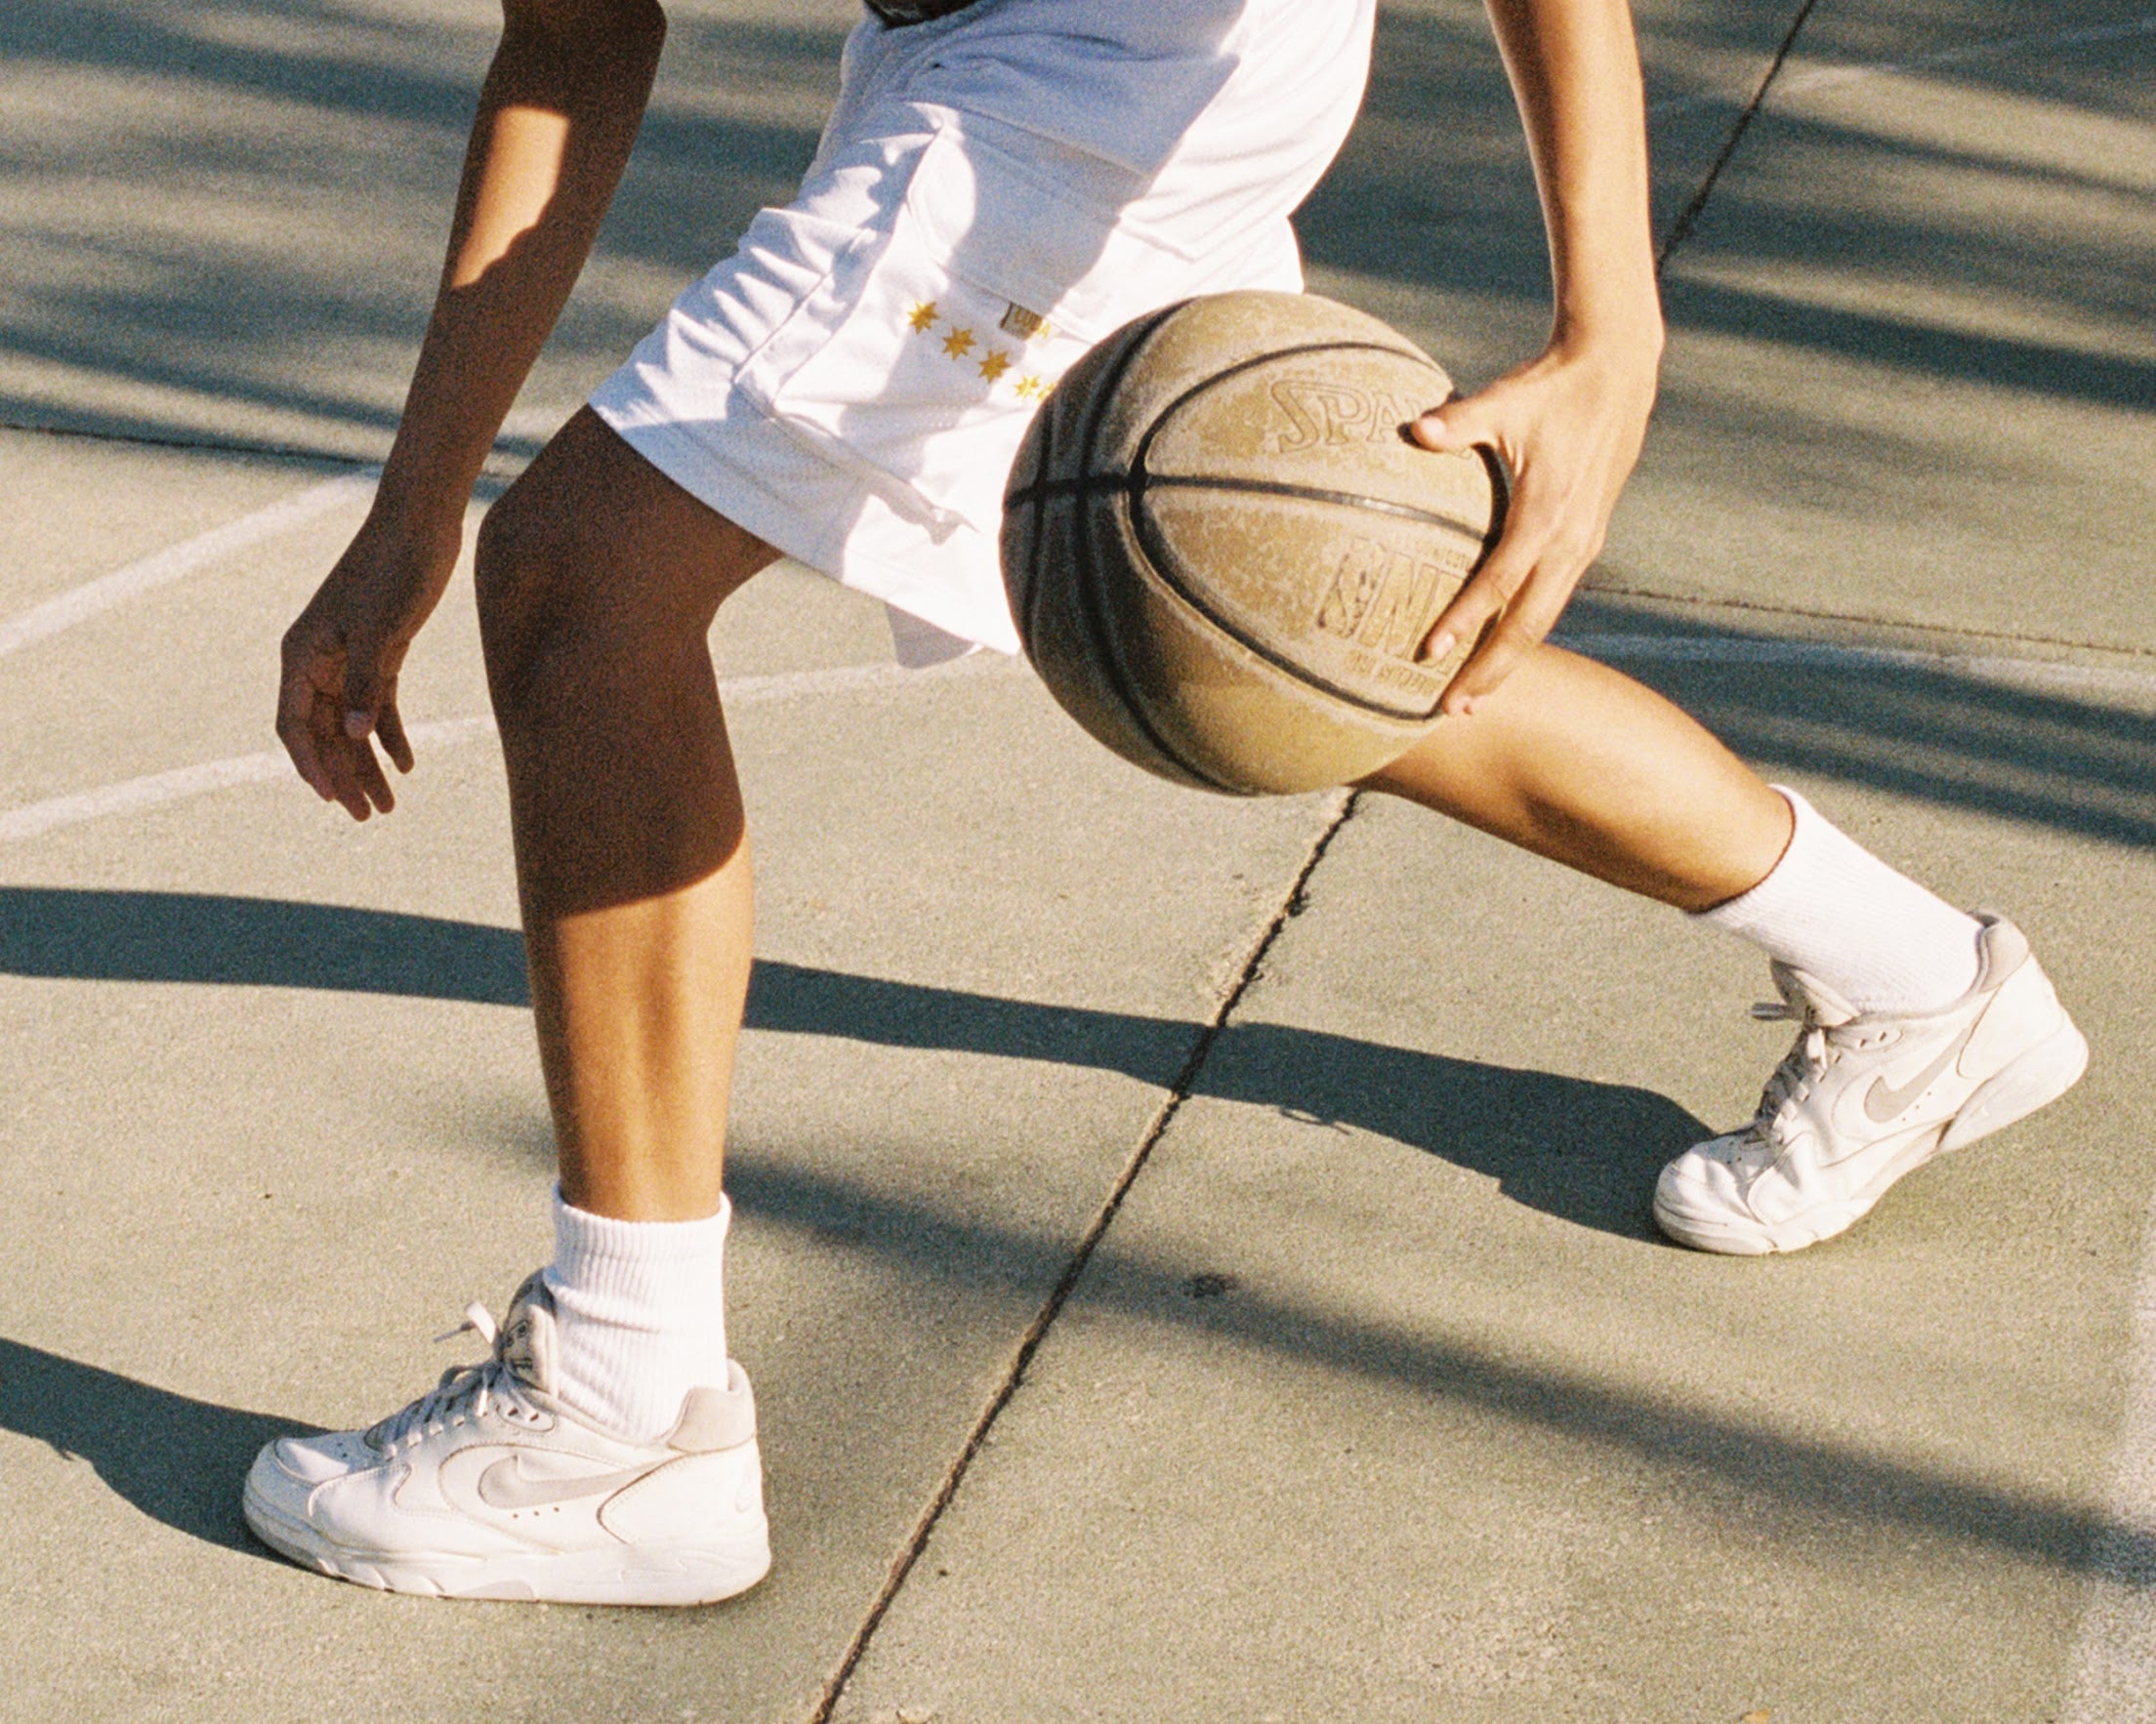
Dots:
pixel 2113 1676
pixel 739 691
pixel 135 796
pixel 177 562
pixel 1798 75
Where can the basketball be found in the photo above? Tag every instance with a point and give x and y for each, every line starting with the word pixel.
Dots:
pixel 1221 549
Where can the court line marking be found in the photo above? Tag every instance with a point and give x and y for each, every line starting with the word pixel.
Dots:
pixel 177 562
pixel 2113 1673
pixel 136 795
pixel 1799 77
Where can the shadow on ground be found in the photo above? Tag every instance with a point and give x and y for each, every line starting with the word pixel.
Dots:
pixel 178 1460
pixel 1584 1151
pixel 1935 734
pixel 1775 1483
pixel 249 146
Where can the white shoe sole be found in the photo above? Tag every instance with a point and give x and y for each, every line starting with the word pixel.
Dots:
pixel 2038 1075
pixel 654 1575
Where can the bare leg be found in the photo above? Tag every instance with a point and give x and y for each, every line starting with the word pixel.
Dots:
pixel 598 581
pixel 1582 765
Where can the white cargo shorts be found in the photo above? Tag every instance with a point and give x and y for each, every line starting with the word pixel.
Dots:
pixel 995 191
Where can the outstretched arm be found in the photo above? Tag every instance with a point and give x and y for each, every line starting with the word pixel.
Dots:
pixel 1569 424
pixel 556 117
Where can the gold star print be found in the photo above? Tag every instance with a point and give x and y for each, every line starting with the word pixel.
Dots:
pixel 924 316
pixel 958 342
pixel 994 367
pixel 1028 388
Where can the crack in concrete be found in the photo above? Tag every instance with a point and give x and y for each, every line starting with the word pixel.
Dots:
pixel 1229 996
pixel 1681 229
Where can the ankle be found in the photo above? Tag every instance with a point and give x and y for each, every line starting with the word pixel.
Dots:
pixel 641 1316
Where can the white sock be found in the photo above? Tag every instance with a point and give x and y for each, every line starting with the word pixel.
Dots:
pixel 641 1316
pixel 1835 911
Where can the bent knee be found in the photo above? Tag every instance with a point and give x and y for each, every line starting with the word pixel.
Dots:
pixel 564 590
pixel 594 556
pixel 528 548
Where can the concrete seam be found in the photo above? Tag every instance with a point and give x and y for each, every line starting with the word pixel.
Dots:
pixel 1230 996
pixel 1697 602
pixel 1682 229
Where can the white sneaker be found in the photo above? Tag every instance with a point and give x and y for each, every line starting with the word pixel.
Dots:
pixel 488 1488
pixel 1860 1101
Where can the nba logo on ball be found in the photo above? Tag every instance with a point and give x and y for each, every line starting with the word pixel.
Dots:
pixel 1222 550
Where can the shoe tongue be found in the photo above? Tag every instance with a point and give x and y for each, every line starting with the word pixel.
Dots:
pixel 526 1342
pixel 1811 999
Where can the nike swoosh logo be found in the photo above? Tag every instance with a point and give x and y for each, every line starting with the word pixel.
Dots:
pixel 505 1484
pixel 1882 1102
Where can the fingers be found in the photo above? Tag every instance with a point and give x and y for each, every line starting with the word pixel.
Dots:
pixel 364 677
pixel 310 667
pixel 334 750
pixel 1509 638
pixel 1510 605
pixel 389 728
pixel 317 726
pixel 1458 424
pixel 1515 599
pixel 1566 452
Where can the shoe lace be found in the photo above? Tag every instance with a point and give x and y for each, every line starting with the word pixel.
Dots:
pixel 1802 1067
pixel 465 1391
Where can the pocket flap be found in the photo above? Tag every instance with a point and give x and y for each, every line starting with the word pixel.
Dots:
pixel 1083 267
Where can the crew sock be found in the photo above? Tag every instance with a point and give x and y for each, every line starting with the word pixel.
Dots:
pixel 641 1316
pixel 1838 912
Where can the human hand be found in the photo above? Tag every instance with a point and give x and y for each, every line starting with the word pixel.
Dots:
pixel 1569 426
pixel 342 658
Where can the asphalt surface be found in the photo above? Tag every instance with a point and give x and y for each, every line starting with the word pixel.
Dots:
pixel 1299 1150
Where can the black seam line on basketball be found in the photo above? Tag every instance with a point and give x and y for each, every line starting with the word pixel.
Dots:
pixel 1156 550
pixel 1087 431
pixel 1137 485
pixel 1043 421
pixel 1180 1091
pixel 1161 556
pixel 1105 653
pixel 1500 477
pixel 1152 430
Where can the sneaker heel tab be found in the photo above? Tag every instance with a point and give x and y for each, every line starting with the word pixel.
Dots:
pixel 2001 948
pixel 715 1418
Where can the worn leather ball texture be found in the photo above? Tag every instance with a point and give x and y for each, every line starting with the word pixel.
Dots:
pixel 1223 551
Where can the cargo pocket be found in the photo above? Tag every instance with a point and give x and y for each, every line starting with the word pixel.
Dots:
pixel 920 359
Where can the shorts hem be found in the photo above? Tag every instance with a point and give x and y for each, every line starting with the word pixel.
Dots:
pixel 703 469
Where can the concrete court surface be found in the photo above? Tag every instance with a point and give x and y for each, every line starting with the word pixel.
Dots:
pixel 1377 1397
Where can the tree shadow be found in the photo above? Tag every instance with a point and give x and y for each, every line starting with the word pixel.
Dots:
pixel 1580 1150
pixel 1727 1469
pixel 1932 732
pixel 178 1460
pixel 280 126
